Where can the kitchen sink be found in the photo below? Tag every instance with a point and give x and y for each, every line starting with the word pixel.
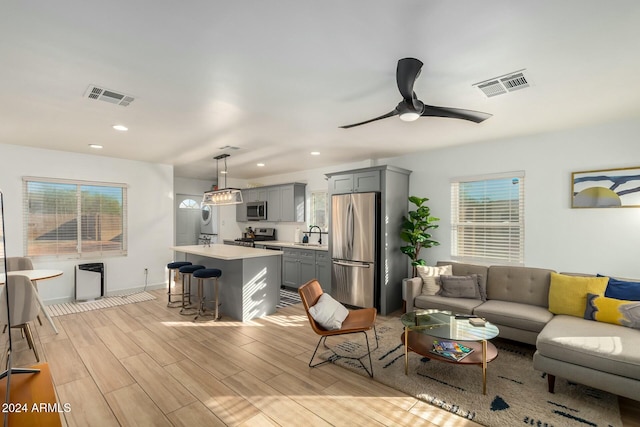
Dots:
pixel 307 244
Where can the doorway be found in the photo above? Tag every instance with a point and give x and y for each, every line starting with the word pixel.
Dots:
pixel 187 219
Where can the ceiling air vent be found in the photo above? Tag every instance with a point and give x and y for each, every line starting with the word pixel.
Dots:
pixel 503 84
pixel 102 94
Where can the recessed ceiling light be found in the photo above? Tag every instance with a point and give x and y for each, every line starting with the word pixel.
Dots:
pixel 121 128
pixel 315 153
pixel 223 172
pixel 96 146
pixel 260 165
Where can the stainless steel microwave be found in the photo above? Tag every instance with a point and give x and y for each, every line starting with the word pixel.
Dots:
pixel 256 211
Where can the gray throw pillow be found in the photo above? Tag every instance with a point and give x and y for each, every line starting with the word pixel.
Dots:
pixel 460 287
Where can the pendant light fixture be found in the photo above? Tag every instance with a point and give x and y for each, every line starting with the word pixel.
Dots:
pixel 223 196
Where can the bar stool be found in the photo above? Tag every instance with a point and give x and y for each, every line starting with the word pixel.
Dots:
pixel 173 267
pixel 202 275
pixel 186 272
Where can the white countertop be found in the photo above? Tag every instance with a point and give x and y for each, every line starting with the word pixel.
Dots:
pixel 225 252
pixel 283 244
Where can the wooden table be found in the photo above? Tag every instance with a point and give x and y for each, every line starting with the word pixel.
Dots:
pixel 421 327
pixel 36 275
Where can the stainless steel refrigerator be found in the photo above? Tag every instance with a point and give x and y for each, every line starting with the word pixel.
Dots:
pixel 354 248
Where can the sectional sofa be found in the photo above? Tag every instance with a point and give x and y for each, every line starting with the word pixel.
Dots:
pixel 546 309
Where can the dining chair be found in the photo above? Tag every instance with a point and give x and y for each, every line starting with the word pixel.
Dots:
pixel 20 263
pixel 23 306
pixel 357 321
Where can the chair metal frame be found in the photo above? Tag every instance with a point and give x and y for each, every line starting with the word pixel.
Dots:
pixel 358 321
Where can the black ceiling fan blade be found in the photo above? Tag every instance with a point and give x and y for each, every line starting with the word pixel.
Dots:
pixel 389 114
pixel 406 75
pixel 455 113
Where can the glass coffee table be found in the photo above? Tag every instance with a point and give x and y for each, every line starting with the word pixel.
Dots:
pixel 422 327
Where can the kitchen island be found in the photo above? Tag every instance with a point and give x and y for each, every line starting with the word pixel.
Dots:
pixel 250 281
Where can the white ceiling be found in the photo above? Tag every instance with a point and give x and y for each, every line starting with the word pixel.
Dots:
pixel 277 78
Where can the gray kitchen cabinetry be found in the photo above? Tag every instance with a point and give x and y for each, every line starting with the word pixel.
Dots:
pixel 290 268
pixel 274 204
pixel 285 203
pixel 255 195
pixel 357 182
pixel 301 265
pixel 323 270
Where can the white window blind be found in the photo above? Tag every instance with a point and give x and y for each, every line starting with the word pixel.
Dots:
pixel 488 218
pixel 74 219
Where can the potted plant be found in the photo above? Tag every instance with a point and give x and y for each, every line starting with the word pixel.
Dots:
pixel 415 231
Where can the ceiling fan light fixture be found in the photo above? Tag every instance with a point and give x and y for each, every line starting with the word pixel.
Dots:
pixel 409 116
pixel 223 196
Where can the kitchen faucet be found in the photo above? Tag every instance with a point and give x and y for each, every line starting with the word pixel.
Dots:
pixel 319 232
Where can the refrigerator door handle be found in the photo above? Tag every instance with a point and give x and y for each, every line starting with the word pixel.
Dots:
pixel 350 226
pixel 350 264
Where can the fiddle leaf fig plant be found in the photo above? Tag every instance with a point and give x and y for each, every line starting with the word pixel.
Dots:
pixel 415 231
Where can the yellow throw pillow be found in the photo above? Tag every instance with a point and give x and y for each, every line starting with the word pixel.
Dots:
pixel 568 294
pixel 611 310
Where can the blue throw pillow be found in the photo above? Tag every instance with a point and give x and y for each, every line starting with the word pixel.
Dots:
pixel 621 289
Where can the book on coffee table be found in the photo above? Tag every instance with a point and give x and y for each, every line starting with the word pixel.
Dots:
pixel 450 349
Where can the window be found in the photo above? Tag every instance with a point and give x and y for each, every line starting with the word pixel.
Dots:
pixel 488 218
pixel 189 204
pixel 318 215
pixel 74 219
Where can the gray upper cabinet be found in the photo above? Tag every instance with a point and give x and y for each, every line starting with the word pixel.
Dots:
pixel 285 203
pixel 274 204
pixel 357 182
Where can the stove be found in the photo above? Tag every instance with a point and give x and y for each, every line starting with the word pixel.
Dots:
pixel 260 235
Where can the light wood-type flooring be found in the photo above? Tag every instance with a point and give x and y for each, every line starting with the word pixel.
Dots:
pixel 144 364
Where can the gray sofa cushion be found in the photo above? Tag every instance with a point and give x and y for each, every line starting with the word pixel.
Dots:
pixel 460 269
pixel 460 287
pixel 525 285
pixel 456 305
pixel 520 316
pixel 601 346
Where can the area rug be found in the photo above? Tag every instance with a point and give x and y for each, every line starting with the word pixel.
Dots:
pixel 516 393
pixel 105 302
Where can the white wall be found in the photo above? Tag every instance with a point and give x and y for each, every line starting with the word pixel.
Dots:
pixel 579 240
pixel 150 215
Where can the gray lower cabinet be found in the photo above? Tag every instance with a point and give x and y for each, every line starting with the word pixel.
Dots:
pixel 290 268
pixel 301 265
pixel 323 270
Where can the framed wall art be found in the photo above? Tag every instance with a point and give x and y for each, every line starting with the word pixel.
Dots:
pixel 607 188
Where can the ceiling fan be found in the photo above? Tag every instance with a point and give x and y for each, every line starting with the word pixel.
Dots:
pixel 411 108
